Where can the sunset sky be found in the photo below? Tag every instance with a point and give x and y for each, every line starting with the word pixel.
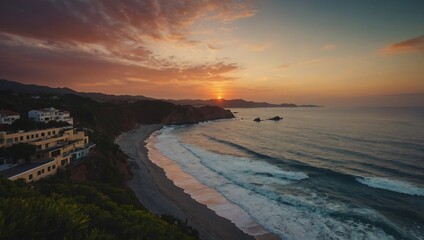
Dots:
pixel 317 51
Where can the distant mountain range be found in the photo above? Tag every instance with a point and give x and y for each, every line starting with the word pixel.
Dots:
pixel 234 103
pixel 17 87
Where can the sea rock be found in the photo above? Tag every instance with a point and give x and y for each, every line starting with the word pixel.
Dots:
pixel 257 119
pixel 276 118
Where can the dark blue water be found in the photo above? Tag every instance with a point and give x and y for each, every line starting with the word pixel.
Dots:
pixel 321 173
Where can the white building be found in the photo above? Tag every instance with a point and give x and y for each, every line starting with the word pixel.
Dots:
pixel 8 117
pixel 50 114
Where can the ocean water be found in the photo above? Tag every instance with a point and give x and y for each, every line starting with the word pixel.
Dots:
pixel 320 173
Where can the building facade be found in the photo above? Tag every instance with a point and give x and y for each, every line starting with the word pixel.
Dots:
pixel 37 170
pixel 8 117
pixel 50 114
pixel 8 139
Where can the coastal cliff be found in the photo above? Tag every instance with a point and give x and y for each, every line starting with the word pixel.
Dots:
pixel 189 114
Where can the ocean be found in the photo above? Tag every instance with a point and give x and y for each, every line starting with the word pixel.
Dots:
pixel 320 173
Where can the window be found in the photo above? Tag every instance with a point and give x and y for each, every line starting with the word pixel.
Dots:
pixel 42 170
pixel 36 135
pixel 27 137
pixel 63 162
pixel 42 134
pixel 32 135
pixel 16 139
pixel 30 177
pixel 9 140
pixel 53 132
pixel 49 168
pixel 49 133
pixel 21 138
pixel 38 173
pixel 54 167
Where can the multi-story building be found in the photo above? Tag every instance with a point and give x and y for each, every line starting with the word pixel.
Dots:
pixel 8 139
pixel 36 170
pixel 8 117
pixel 50 114
pixel 55 147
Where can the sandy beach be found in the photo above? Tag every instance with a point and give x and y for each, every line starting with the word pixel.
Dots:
pixel 159 195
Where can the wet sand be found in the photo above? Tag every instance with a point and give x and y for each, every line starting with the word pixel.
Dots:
pixel 160 196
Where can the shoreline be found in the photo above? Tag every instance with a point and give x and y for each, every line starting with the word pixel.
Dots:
pixel 161 196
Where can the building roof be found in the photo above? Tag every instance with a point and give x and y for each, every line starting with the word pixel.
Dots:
pixel 21 168
pixel 46 109
pixel 6 112
pixel 35 131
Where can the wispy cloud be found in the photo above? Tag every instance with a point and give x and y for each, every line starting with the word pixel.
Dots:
pixel 413 45
pixel 212 48
pixel 105 21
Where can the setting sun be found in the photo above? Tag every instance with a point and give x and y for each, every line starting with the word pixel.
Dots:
pixel 219 97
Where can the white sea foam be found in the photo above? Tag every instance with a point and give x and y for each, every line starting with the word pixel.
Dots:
pixel 391 185
pixel 253 185
pixel 201 193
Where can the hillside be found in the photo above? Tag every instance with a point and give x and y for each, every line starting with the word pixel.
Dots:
pixel 97 202
pixel 234 103
pixel 16 87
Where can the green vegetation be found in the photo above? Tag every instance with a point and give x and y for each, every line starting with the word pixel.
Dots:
pixel 89 200
pixel 58 209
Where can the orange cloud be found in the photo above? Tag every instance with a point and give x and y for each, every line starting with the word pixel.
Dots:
pixel 413 45
pixel 80 69
pixel 108 43
pixel 110 20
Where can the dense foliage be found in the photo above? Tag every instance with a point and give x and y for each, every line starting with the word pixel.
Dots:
pixel 55 209
pixel 20 151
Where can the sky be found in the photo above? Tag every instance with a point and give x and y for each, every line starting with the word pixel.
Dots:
pixel 327 52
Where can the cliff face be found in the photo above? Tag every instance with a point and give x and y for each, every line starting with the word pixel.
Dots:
pixel 188 114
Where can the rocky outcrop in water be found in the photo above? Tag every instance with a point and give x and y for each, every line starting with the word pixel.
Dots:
pixel 276 118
